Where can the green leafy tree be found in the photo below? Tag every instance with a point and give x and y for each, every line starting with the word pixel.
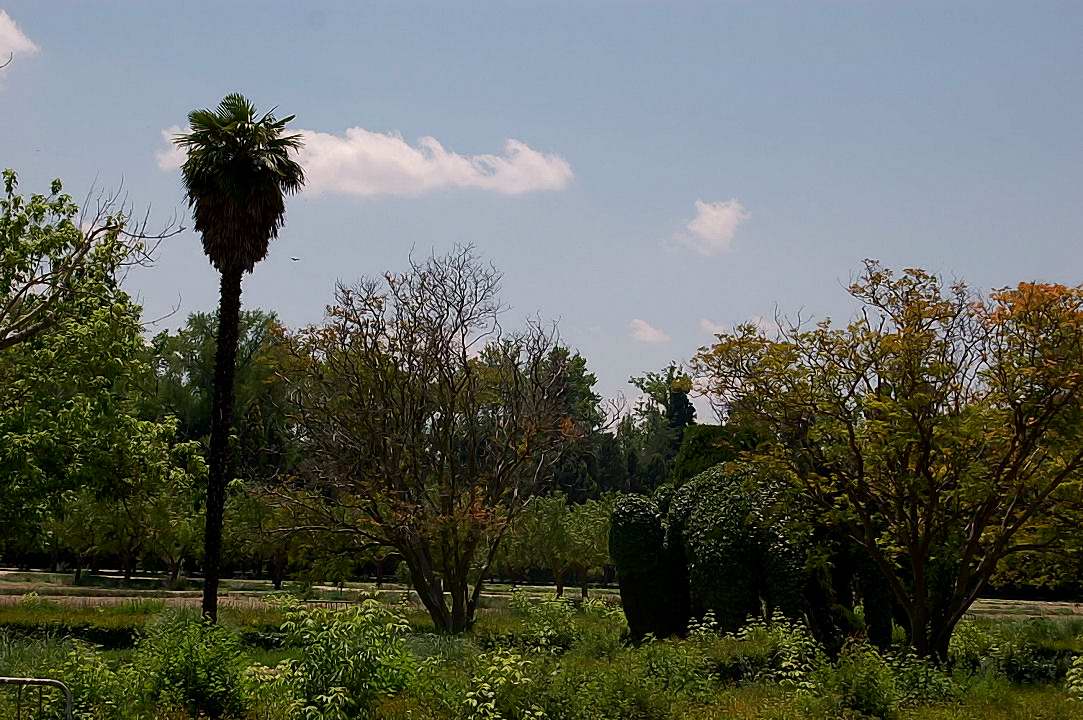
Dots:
pixel 173 513
pixel 150 470
pixel 68 415
pixel 540 539
pixel 652 435
pixel 52 257
pixel 237 173
pixel 76 529
pixel 183 386
pixel 580 473
pixel 69 338
pixel 943 430
pixel 259 532
pixel 588 530
pixel 264 446
pixel 704 446
pixel 560 538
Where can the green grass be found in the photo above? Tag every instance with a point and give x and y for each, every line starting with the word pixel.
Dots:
pixel 117 625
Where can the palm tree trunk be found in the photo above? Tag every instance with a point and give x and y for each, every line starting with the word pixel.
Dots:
pixel 225 361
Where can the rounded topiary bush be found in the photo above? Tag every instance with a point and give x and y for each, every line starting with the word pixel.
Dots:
pixel 653 584
pixel 741 553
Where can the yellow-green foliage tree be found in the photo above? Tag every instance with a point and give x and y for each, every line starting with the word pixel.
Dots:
pixel 943 429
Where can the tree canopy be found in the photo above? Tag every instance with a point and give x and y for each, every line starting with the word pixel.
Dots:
pixel 942 428
pixel 427 425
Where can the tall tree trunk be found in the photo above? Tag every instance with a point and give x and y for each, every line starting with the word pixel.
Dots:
pixel 428 586
pixel 278 569
pixel 225 361
pixel 460 620
pixel 174 572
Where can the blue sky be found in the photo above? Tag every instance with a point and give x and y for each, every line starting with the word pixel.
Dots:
pixel 811 135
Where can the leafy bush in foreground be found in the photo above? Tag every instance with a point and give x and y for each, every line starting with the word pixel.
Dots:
pixel 860 680
pixel 1074 680
pixel 348 658
pixel 542 659
pixel 186 662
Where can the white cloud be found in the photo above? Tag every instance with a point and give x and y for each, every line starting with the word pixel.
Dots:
pixel 711 231
pixel 644 332
pixel 365 163
pixel 711 327
pixel 12 40
pixel 171 156
pixel 362 162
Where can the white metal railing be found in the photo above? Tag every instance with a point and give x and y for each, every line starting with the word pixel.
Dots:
pixel 41 683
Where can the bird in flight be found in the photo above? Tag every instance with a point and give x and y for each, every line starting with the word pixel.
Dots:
pixel 295 259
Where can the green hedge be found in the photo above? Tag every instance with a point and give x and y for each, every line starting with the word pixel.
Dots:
pixel 739 545
pixel 652 578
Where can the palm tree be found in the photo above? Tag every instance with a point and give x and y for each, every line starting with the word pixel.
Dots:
pixel 236 176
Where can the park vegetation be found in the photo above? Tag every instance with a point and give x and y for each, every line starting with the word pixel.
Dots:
pixel 446 474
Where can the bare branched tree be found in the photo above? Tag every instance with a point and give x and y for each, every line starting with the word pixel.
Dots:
pixel 426 425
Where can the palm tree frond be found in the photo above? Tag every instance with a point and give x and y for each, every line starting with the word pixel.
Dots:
pixel 238 170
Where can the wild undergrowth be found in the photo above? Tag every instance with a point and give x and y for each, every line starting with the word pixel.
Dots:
pixel 536 659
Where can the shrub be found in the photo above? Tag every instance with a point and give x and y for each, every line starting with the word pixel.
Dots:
pixel 272 692
pixel 1021 652
pixel 599 636
pixel 348 657
pixel 98 693
pixel 678 667
pixel 549 622
pixel 727 526
pixel 497 690
pixel 1074 679
pixel 919 681
pixel 738 661
pixel 652 577
pixel 552 626
pixel 970 647
pixel 589 690
pixel 187 663
pixel 860 681
pixel 793 653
